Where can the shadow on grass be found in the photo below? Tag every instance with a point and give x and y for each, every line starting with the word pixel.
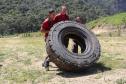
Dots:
pixel 96 68
pixel 1 65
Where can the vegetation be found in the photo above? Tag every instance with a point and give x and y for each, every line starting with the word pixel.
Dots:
pixel 20 16
pixel 121 81
pixel 21 59
pixel 117 19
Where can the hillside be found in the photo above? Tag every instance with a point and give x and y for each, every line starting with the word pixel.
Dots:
pixel 117 19
pixel 108 24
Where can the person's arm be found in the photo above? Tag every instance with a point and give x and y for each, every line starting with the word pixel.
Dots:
pixel 55 19
pixel 44 28
pixel 44 31
pixel 67 17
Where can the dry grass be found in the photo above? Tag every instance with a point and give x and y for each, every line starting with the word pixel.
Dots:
pixel 21 60
pixel 113 51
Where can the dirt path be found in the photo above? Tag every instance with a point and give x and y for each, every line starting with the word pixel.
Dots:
pixel 108 77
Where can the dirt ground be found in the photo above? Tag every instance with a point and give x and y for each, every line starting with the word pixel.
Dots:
pixel 108 77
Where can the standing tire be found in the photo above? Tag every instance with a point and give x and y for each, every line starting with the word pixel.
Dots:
pixel 65 59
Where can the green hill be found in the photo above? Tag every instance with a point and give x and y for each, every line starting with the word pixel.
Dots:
pixel 115 20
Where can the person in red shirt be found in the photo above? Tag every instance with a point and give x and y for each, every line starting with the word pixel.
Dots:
pixel 48 23
pixel 63 16
pixel 45 28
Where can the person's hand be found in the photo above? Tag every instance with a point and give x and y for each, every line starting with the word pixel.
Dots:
pixel 45 31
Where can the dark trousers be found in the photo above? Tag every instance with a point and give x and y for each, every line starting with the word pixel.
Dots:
pixel 75 45
pixel 65 42
pixel 46 62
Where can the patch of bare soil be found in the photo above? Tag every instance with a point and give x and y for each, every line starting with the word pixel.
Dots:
pixel 108 29
pixel 103 29
pixel 107 77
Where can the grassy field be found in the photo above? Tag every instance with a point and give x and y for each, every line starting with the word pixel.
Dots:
pixel 117 19
pixel 21 58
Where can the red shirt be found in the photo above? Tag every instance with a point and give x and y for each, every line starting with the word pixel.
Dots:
pixel 61 17
pixel 46 25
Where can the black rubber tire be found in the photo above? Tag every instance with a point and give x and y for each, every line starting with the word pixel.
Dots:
pixel 65 59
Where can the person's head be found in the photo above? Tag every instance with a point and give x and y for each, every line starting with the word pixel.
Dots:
pixel 78 19
pixel 51 14
pixel 63 9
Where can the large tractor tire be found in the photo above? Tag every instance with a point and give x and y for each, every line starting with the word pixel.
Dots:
pixel 61 56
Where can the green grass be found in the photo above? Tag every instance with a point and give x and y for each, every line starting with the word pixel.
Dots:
pixel 121 81
pixel 113 52
pixel 21 58
pixel 117 19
